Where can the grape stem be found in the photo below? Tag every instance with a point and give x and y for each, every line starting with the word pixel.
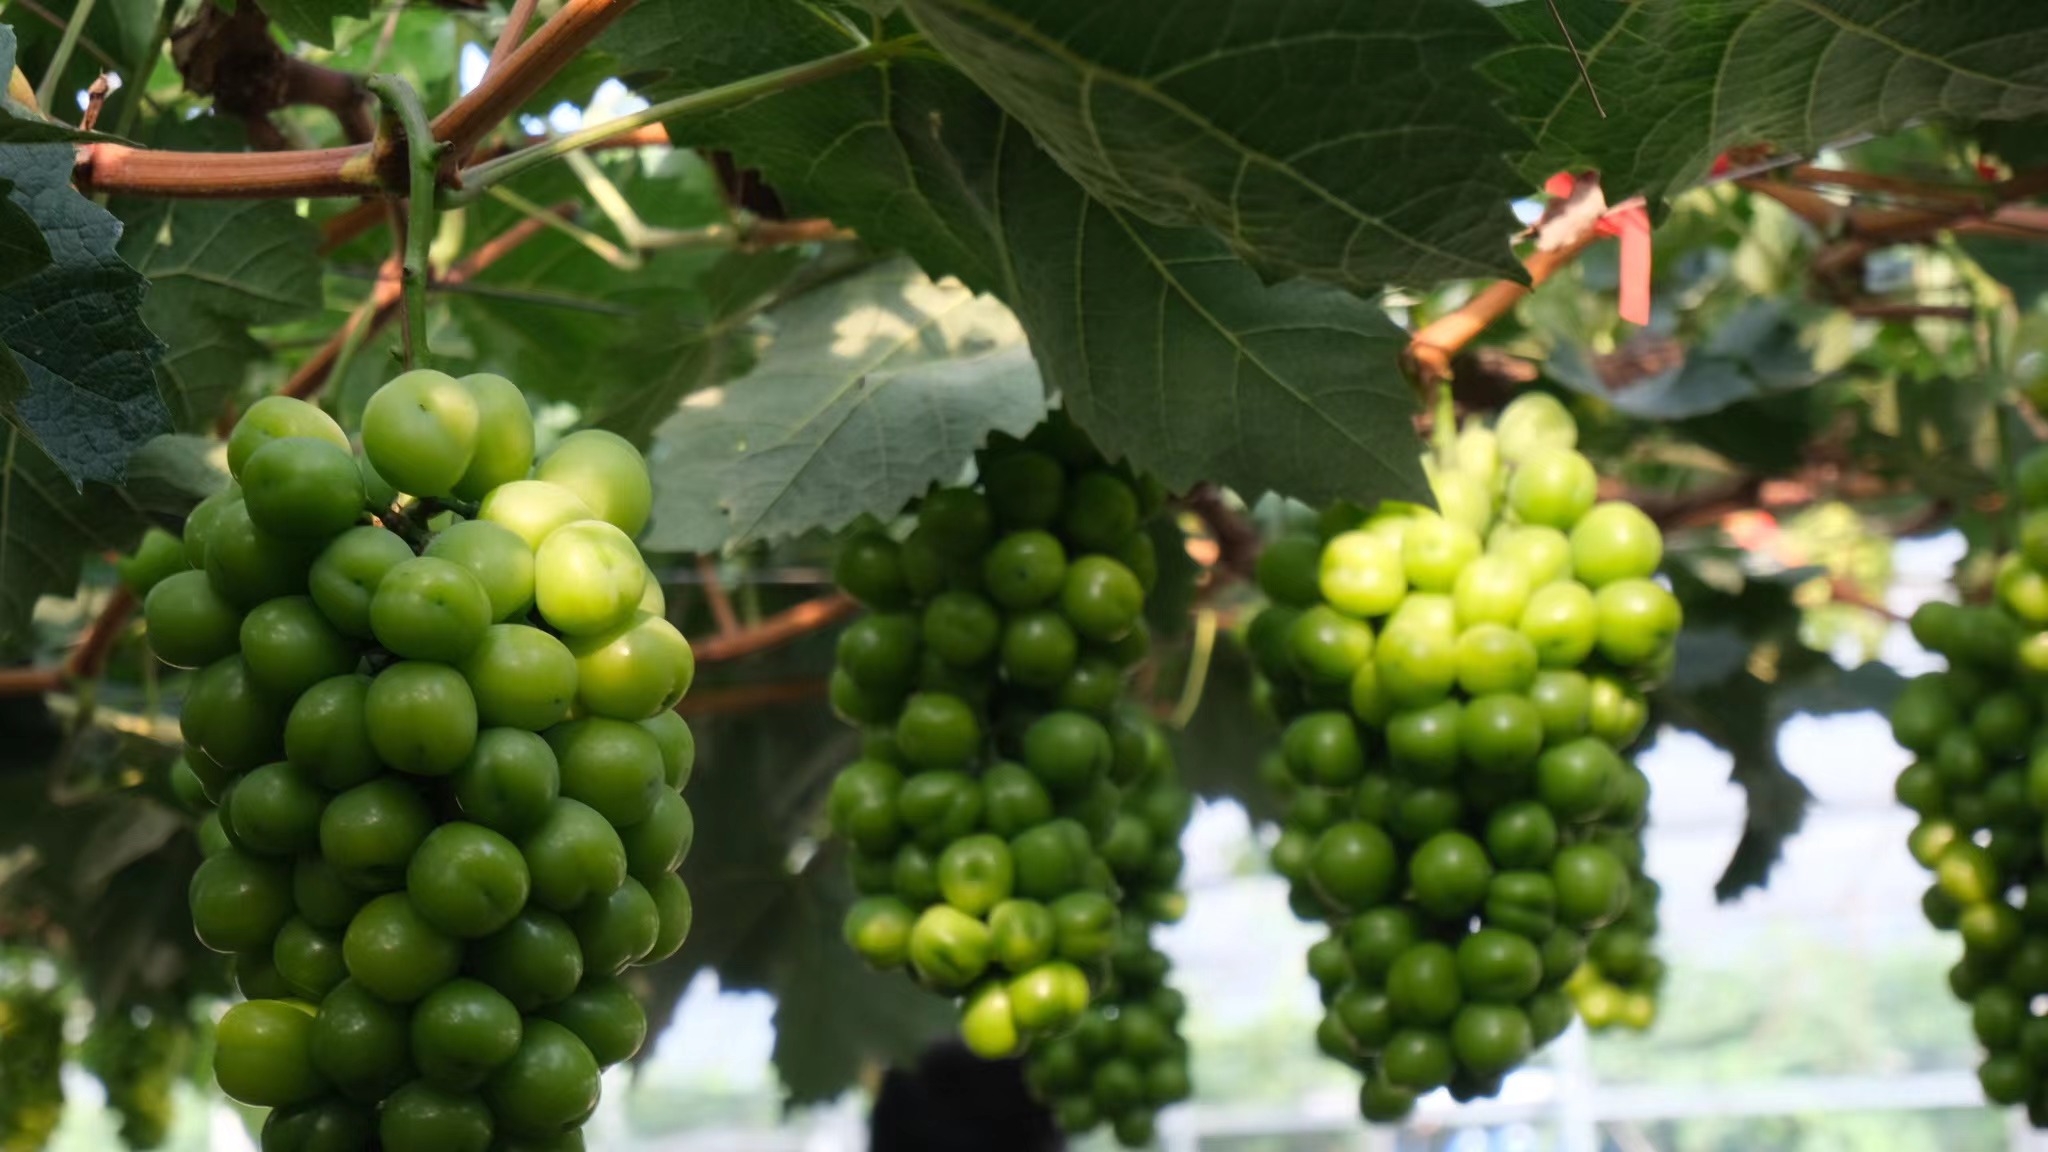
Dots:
pixel 404 124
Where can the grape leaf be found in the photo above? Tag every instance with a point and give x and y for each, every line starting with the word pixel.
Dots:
pixel 1684 80
pixel 217 268
pixel 87 393
pixel 312 20
pixel 668 354
pixel 902 154
pixel 22 248
pixel 1309 135
pixel 1755 353
pixel 863 145
pixel 876 386
pixel 47 527
pixel 1743 702
pixel 1170 352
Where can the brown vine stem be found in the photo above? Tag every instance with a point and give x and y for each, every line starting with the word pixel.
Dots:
pixel 119 168
pixel 714 594
pixel 1430 351
pixel 777 630
pixel 516 23
pixel 86 661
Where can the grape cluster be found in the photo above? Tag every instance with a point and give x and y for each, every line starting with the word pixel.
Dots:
pixel 1457 687
pixel 1125 1059
pixel 1979 784
pixel 1617 985
pixel 439 734
pixel 31 1050
pixel 139 1053
pixel 988 679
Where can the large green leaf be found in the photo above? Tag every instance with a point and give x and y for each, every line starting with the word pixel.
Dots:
pixel 876 385
pixel 1684 80
pixel 1172 353
pixel 864 148
pixel 1178 356
pixel 48 527
pixel 87 391
pixel 217 268
pixel 23 251
pixel 1311 135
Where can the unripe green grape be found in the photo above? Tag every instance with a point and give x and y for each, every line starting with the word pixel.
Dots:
pixel 678 747
pixel 549 1087
pixel 496 556
pixel 1615 541
pixel 263 1054
pixel 275 811
pixel 422 718
pixel 1553 488
pixel 1490 590
pixel 248 565
pixel 1562 620
pixel 158 555
pixel 290 646
pixel 672 902
pixel 574 855
pixel 617 929
pixel 298 487
pixel 420 432
pixel 504 438
pixel 327 734
pixel 533 509
pixel 1532 423
pixel 369 832
pixel 1544 554
pixel 1638 619
pixel 430 609
pixel 200 523
pixel 607 472
pixel 275 418
pixel 1361 574
pixel 604 1014
pixel 229 717
pixel 1495 658
pixel 1435 550
pixel 345 576
pixel 190 624
pixel 521 677
pixel 634 671
pixel 588 578
pixel 613 766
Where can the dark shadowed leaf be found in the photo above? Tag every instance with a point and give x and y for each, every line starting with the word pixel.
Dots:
pixel 1310 136
pixel 87 394
pixel 1684 80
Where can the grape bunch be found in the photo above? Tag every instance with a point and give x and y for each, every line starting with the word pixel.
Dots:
pixel 1617 984
pixel 138 1053
pixel 31 1050
pixel 439 736
pixel 1125 1059
pixel 1456 688
pixel 988 678
pixel 1979 784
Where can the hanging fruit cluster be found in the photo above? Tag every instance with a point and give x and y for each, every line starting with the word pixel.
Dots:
pixel 1979 783
pixel 1125 1059
pixel 989 680
pixel 1457 687
pixel 1617 985
pixel 438 732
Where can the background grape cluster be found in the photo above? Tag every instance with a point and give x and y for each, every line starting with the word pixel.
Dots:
pixel 1979 783
pixel 988 813
pixel 1125 1058
pixel 439 734
pixel 1457 688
